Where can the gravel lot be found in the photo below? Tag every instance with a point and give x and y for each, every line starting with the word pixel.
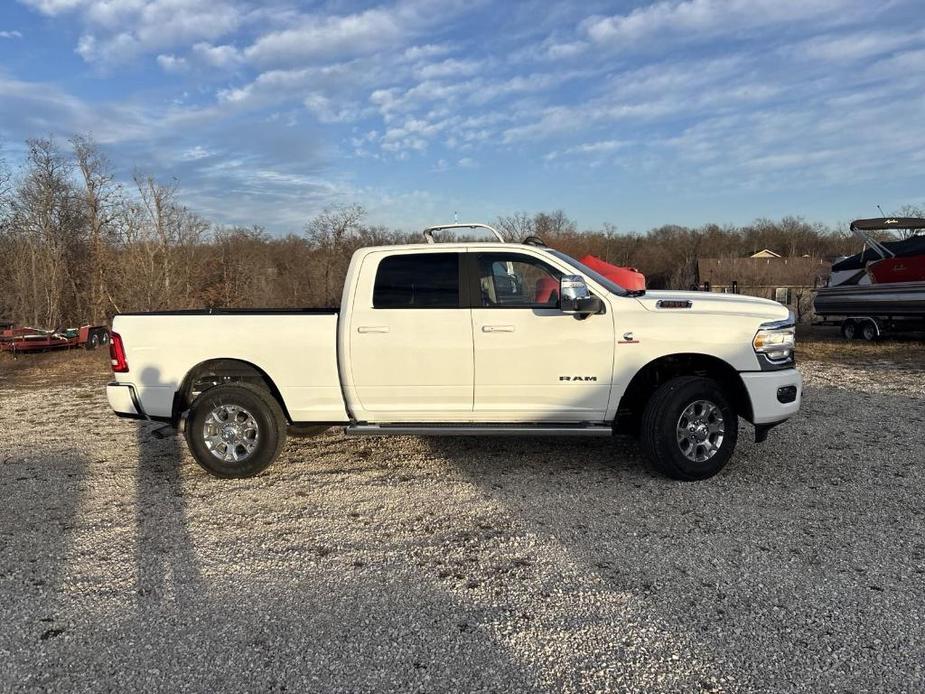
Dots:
pixel 460 564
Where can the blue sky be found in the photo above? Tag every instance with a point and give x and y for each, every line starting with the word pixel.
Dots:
pixel 638 114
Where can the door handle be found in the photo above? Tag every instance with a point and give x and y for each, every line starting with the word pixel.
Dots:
pixel 497 328
pixel 373 329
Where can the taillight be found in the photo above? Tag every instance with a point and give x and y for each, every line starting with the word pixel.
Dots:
pixel 117 354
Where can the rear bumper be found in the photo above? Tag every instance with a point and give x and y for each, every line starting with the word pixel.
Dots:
pixel 123 401
pixel 774 395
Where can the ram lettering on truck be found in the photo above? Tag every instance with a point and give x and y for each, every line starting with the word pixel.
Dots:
pixel 465 338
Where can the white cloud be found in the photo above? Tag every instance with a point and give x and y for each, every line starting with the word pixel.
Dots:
pixel 328 110
pixel 217 56
pixel 118 30
pixel 429 50
pixel 195 153
pixel 331 37
pixel 450 67
pixel 699 18
pixel 649 93
pixel 564 51
pixel 588 148
pixel 10 34
pixel 275 86
pixel 53 7
pixel 317 37
pixel 847 48
pixel 172 63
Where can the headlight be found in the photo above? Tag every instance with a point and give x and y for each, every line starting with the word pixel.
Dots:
pixel 776 340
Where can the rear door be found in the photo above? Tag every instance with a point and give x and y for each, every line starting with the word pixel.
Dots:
pixel 532 361
pixel 411 338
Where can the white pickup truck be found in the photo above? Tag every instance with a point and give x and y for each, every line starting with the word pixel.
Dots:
pixel 465 338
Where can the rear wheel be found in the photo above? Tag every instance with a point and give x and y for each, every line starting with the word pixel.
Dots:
pixel 235 430
pixel 93 341
pixel 869 331
pixel 849 329
pixel 689 429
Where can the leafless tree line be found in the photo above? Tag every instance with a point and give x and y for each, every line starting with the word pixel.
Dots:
pixel 77 246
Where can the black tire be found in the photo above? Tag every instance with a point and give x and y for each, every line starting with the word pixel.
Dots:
pixel 869 331
pixel 849 329
pixel 104 338
pixel 269 438
pixel 662 417
pixel 93 341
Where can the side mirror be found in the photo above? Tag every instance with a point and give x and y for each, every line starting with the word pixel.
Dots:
pixel 574 296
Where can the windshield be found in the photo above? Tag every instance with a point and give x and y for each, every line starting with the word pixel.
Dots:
pixel 608 284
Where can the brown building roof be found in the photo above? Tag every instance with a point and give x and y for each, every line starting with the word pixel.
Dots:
pixel 763 272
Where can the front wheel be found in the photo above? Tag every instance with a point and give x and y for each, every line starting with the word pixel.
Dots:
pixel 689 429
pixel 235 430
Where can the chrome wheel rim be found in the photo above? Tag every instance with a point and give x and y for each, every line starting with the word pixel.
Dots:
pixel 701 430
pixel 231 433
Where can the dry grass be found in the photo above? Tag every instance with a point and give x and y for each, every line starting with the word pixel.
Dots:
pixel 827 344
pixel 43 369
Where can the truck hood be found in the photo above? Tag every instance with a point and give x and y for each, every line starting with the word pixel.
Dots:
pixel 714 303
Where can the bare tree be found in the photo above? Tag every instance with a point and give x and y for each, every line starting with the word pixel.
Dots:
pixel 517 226
pixel 101 199
pixel 47 226
pixel 330 233
pixel 555 223
pixel 6 189
pixel 909 211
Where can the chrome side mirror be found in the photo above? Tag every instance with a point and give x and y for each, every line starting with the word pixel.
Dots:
pixel 575 297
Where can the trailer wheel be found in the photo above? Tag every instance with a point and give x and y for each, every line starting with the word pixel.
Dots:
pixel 869 331
pixel 93 340
pixel 235 430
pixel 689 428
pixel 104 338
pixel 849 329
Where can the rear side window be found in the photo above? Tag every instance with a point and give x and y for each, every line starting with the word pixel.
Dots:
pixel 417 280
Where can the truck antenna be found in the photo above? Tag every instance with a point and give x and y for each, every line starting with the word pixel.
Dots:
pixel 881 211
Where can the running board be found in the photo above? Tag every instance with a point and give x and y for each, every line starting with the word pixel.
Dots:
pixel 466 429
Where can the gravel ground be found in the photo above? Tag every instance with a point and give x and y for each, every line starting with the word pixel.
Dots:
pixel 461 564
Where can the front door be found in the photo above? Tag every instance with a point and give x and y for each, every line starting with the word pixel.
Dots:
pixel 411 340
pixel 532 361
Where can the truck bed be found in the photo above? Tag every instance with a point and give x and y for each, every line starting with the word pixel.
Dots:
pixel 295 348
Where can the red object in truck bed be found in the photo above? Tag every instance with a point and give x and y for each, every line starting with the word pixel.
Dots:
pixel 627 277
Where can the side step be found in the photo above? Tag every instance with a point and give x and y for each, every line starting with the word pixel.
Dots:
pixel 468 429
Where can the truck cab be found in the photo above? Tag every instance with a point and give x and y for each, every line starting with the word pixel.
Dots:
pixel 468 338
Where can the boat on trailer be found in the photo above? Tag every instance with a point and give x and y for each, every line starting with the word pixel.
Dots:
pixel 880 289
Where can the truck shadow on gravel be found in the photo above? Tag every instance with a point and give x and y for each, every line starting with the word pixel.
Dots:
pixel 167 564
pixel 782 550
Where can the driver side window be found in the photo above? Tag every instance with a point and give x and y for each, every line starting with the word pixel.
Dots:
pixel 511 280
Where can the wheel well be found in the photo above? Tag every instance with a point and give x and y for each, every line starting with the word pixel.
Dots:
pixel 220 371
pixel 657 372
